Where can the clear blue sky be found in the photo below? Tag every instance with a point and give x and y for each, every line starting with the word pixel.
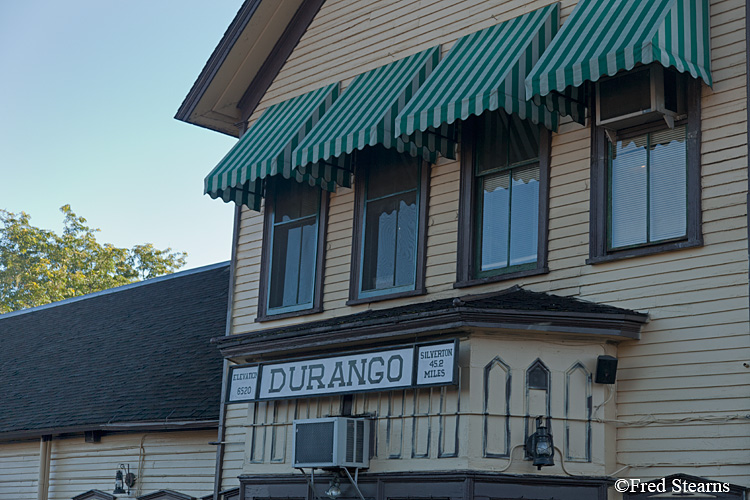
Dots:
pixel 88 92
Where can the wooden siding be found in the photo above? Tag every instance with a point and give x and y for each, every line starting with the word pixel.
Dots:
pixel 686 374
pixel 19 470
pixel 181 461
pixel 234 449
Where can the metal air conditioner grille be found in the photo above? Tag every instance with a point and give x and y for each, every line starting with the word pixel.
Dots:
pixel 360 440
pixel 350 441
pixel 314 442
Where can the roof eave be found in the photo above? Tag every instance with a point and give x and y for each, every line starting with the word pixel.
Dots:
pixel 277 342
pixel 215 62
pixel 159 425
pixel 242 67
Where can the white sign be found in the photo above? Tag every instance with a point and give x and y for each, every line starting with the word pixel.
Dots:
pixel 353 373
pixel 435 364
pixel 243 383
pixel 419 365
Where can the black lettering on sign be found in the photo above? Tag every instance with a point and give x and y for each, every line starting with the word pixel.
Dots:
pixel 398 362
pixel 437 353
pixel 317 377
pixel 359 373
pixel 301 384
pixel 338 375
pixel 378 374
pixel 281 382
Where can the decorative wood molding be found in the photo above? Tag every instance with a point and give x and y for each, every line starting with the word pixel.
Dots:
pixel 94 495
pixel 166 495
pixel 496 363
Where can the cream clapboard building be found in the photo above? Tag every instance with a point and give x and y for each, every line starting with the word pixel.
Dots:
pixel 413 174
pixel 124 377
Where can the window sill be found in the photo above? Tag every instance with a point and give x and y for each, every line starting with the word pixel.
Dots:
pixel 260 318
pixel 501 277
pixel 643 251
pixel 378 298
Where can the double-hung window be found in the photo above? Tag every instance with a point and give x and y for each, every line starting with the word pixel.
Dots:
pixel 388 250
pixel 503 211
pixel 645 189
pixel 293 250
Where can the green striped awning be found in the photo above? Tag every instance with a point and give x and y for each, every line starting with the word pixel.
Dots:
pixel 485 71
pixel 266 149
pixel 364 115
pixel 602 37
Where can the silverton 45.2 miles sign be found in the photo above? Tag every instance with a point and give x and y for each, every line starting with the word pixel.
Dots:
pixel 409 366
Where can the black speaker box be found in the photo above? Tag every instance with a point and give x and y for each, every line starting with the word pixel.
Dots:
pixel 606 370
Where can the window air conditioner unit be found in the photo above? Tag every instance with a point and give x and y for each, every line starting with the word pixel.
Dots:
pixel 331 442
pixel 640 96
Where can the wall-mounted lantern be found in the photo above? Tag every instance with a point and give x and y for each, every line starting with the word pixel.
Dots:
pixel 539 446
pixel 122 480
pixel 334 488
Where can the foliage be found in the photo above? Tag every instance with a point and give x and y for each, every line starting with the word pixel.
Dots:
pixel 38 266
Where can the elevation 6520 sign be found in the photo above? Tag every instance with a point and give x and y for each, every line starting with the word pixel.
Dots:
pixel 420 365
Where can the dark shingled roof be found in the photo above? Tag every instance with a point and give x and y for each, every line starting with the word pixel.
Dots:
pixel 137 353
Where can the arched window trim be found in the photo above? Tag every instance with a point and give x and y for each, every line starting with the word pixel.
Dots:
pixel 537 364
pixel 496 361
pixel 578 366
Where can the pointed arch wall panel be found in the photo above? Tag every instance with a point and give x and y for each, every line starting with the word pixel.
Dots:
pixel 578 409
pixel 496 440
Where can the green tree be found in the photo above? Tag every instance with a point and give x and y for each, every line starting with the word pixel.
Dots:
pixel 38 266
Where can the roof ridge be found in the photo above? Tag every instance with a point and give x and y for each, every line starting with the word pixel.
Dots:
pixel 122 288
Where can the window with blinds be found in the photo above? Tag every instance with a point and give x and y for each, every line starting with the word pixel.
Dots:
pixel 647 188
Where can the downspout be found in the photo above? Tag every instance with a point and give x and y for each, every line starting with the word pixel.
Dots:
pixel 141 467
pixel 45 453
pixel 225 374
